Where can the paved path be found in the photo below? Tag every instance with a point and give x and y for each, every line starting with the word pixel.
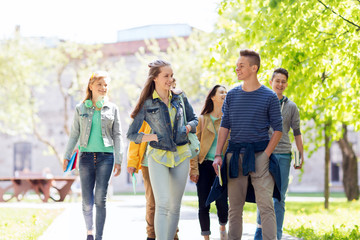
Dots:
pixel 125 221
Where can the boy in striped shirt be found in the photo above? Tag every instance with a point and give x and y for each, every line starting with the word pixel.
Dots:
pixel 248 112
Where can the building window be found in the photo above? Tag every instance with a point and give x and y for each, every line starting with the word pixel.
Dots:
pixel 22 156
pixel 335 172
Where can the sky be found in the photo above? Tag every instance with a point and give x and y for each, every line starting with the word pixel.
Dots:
pixel 94 21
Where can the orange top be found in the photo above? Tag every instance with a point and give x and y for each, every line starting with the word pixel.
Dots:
pixel 136 152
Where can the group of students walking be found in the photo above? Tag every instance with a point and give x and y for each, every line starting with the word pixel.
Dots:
pixel 233 130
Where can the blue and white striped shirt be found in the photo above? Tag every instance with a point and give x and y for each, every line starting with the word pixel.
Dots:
pixel 250 114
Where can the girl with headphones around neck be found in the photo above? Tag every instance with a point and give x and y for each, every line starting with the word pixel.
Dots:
pixel 97 127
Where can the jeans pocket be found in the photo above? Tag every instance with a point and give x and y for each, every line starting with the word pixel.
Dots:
pixel 261 165
pixel 107 158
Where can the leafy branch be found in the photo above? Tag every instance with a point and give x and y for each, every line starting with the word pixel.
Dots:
pixel 336 36
pixel 339 14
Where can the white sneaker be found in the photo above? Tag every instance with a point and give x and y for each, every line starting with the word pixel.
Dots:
pixel 223 235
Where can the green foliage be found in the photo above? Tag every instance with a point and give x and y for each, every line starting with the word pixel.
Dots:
pixel 31 71
pixel 186 57
pixel 20 66
pixel 316 41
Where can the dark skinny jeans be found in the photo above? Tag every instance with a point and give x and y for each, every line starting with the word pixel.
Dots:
pixel 206 178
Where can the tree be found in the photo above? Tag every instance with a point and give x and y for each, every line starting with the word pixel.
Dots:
pixel 349 166
pixel 186 56
pixel 316 41
pixel 71 65
pixel 20 67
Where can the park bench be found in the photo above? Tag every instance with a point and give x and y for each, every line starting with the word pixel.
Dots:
pixel 55 188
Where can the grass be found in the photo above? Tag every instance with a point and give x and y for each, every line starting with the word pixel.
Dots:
pixel 310 221
pixel 317 194
pixel 25 223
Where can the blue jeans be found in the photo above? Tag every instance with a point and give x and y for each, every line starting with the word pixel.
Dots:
pixel 284 162
pixel 95 171
pixel 206 178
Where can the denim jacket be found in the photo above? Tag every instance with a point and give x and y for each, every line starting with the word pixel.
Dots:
pixel 110 128
pixel 156 114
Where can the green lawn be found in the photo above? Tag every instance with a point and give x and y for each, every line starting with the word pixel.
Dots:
pixel 25 223
pixel 309 220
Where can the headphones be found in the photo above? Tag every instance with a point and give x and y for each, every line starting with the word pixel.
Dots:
pixel 99 104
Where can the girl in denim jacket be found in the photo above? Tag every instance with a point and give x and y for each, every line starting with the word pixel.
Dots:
pixel 97 127
pixel 168 152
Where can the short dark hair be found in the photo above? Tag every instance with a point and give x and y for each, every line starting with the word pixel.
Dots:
pixel 254 57
pixel 282 71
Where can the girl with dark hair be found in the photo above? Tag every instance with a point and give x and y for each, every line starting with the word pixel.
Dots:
pixel 97 127
pixel 201 170
pixel 168 152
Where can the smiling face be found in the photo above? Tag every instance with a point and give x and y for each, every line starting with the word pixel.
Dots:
pixel 99 88
pixel 219 96
pixel 164 80
pixel 279 83
pixel 243 68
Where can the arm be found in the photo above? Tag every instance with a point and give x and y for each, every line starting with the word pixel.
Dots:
pixel 299 145
pixel 276 123
pixel 74 137
pixel 274 140
pixel 118 145
pixel 135 151
pixel 295 125
pixel 192 120
pixel 133 133
pixel 222 136
pixel 133 158
pixel 194 162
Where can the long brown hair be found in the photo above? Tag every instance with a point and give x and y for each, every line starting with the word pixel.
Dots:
pixel 149 87
pixel 209 105
pixel 98 75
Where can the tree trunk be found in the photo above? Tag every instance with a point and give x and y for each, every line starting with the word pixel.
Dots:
pixel 350 167
pixel 45 141
pixel 327 165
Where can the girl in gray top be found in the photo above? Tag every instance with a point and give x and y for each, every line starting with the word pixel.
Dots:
pixel 291 119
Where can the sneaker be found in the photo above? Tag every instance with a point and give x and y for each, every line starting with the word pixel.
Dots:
pixel 223 235
pixel 90 237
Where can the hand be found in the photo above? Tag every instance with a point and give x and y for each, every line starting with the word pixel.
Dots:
pixel 188 129
pixel 154 137
pixel 117 169
pixel 217 162
pixel 301 163
pixel 267 154
pixel 65 163
pixel 131 170
pixel 194 178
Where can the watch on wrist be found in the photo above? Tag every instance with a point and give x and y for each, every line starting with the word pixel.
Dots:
pixel 217 155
